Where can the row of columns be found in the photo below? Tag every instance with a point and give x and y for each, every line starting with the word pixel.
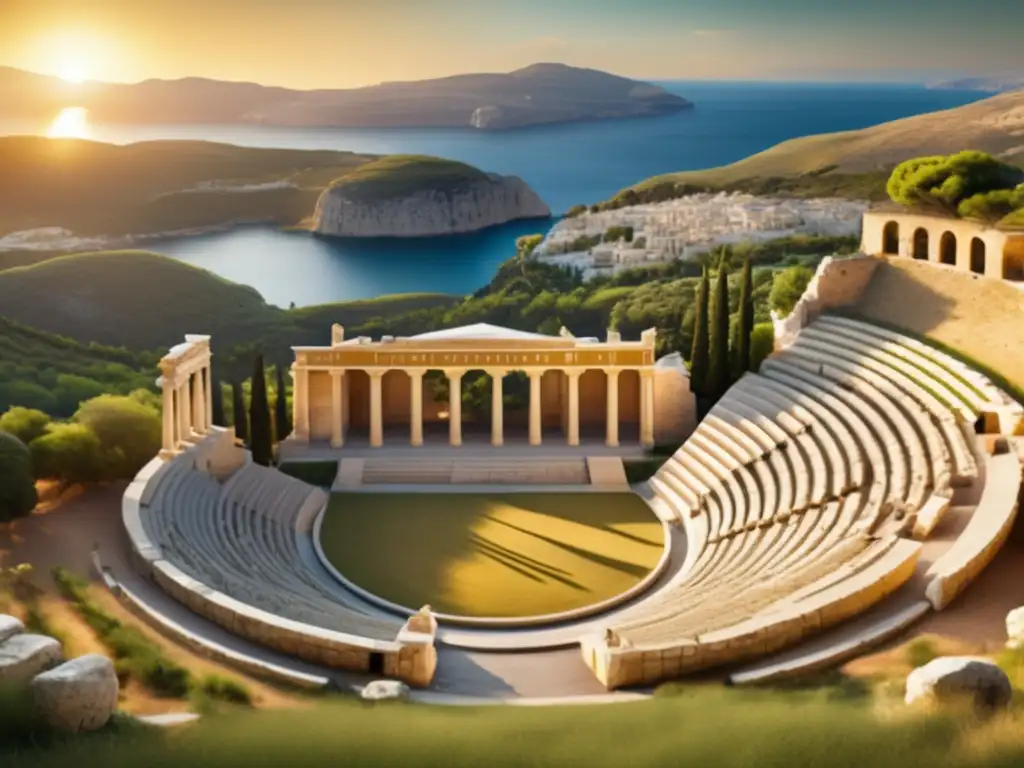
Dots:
pixel 300 399
pixel 187 408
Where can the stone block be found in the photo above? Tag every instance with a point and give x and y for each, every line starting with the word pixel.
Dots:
pixel 9 627
pixel 79 695
pixel 957 678
pixel 385 690
pixel 22 657
pixel 1015 627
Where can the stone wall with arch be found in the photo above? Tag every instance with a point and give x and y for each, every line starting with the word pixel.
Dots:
pixel 967 245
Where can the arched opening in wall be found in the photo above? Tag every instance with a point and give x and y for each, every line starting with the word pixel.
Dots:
pixel 947 249
pixel 1013 259
pixel 978 255
pixel 593 405
pixel 891 239
pixel 921 244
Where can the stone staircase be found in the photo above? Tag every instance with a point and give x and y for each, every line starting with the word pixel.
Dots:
pixel 475 471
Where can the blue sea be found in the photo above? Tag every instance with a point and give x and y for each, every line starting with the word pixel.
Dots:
pixel 566 164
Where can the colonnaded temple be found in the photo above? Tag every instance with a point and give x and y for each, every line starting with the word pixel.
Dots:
pixel 482 383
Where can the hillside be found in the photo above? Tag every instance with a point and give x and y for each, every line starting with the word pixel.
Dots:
pixel 534 95
pixel 857 162
pixel 146 301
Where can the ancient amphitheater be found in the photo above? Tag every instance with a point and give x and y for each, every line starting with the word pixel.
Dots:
pixel 861 479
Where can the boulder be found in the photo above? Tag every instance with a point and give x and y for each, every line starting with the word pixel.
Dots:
pixel 959 678
pixel 9 627
pixel 1015 628
pixel 385 690
pixel 24 656
pixel 79 695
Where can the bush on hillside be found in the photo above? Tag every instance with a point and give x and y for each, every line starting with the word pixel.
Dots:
pixel 944 182
pixel 129 432
pixel 17 483
pixel 527 244
pixel 614 234
pixel 787 288
pixel 69 453
pixel 762 344
pixel 25 393
pixel 26 424
pixel 991 207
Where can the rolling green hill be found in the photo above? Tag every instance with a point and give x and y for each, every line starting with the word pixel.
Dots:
pixel 857 163
pixel 401 175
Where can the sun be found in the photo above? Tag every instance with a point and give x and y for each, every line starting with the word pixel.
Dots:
pixel 72 67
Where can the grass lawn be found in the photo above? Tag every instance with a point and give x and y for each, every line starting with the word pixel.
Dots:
pixel 492 555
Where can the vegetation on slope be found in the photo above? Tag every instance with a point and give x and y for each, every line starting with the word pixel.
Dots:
pixel 157 186
pixel 402 175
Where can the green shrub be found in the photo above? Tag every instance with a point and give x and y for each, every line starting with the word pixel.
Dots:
pixel 575 210
pixel 614 234
pixel 129 432
pixel 26 424
pixel 17 481
pixel 944 182
pixel 136 657
pixel 787 288
pixel 991 207
pixel 762 344
pixel 225 689
pixel 67 452
pixel 920 652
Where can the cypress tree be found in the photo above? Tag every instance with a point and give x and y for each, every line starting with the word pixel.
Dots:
pixel 217 406
pixel 259 416
pixel 240 418
pixel 746 321
pixel 718 366
pixel 282 427
pixel 699 351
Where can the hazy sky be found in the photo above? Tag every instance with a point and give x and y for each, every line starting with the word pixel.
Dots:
pixel 341 43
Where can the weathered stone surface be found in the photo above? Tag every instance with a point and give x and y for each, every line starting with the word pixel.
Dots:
pixel 385 690
pixel 428 212
pixel 23 656
pixel 79 695
pixel 1015 627
pixel 9 627
pixel 952 678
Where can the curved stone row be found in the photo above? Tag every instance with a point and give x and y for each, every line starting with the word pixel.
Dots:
pixel 799 492
pixel 231 549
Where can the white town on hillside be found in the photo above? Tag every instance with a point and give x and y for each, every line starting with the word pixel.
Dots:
pixel 682 228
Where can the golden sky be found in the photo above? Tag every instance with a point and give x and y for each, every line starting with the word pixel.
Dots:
pixel 344 43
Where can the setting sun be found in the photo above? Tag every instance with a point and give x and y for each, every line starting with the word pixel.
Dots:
pixel 72 68
pixel 70 123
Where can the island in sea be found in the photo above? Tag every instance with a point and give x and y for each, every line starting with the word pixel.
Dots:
pixel 535 95
pixel 420 196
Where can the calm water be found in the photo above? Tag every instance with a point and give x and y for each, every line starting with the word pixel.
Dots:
pixel 565 164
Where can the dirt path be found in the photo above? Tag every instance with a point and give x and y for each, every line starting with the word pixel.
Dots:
pixel 64 534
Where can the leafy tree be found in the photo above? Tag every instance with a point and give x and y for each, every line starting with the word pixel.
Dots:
pixel 238 415
pixel 28 394
pixel 787 288
pixel 17 482
pixel 762 344
pixel 282 425
pixel 718 367
pixel 72 391
pixel 991 207
pixel 260 442
pixel 129 433
pixel 943 182
pixel 526 244
pixel 68 452
pixel 26 424
pixel 745 326
pixel 700 351
pixel 217 406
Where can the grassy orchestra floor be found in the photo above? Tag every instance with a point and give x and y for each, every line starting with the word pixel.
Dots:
pixel 492 555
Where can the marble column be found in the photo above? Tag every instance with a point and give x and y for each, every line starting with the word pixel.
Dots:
pixel 208 388
pixel 647 408
pixel 612 416
pixel 497 407
pixel 183 411
pixel 337 393
pixel 198 404
pixel 300 404
pixel 455 407
pixel 573 432
pixel 376 409
pixel 169 441
pixel 536 431
pixel 416 407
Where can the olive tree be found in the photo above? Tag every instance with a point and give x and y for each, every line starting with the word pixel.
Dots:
pixel 943 182
pixel 17 482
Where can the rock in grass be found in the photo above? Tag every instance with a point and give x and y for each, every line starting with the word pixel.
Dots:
pixel 79 695
pixel 385 690
pixel 1015 628
pixel 960 678
pixel 9 627
pixel 24 656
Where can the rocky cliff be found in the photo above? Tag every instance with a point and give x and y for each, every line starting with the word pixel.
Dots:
pixel 345 210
